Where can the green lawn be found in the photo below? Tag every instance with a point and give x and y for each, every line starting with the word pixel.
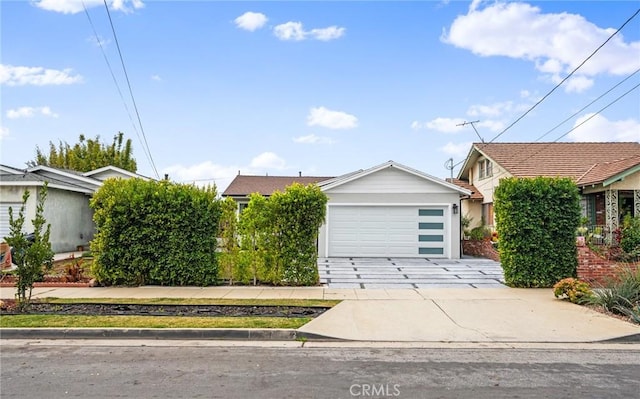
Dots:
pixel 60 321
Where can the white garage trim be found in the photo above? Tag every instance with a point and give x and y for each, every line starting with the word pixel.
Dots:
pixel 446 217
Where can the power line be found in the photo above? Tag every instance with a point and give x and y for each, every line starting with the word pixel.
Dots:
pixel 566 78
pixel 588 105
pixel 133 100
pixel 115 81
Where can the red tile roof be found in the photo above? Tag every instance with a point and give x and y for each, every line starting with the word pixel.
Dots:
pixel 243 185
pixel 585 163
pixel 475 194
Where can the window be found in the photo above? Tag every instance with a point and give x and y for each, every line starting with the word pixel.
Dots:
pixel 485 168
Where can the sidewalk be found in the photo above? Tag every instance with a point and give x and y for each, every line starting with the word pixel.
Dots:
pixel 492 315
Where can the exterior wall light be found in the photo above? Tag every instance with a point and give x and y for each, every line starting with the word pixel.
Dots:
pixel 455 209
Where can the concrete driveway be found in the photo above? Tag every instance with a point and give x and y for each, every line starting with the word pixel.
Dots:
pixel 410 273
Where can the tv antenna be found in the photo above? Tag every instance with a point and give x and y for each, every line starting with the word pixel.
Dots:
pixel 449 165
pixel 465 123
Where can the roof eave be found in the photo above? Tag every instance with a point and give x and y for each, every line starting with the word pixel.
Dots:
pixel 621 175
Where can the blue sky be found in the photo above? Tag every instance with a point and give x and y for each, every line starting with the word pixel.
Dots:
pixel 324 88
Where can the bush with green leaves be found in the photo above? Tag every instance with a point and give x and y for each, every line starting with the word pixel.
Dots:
pixel 574 290
pixel 279 235
pixel 620 294
pixel 630 236
pixel 155 232
pixel 536 221
pixel 30 257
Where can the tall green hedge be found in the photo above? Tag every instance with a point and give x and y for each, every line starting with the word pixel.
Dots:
pixel 536 219
pixel 279 237
pixel 151 232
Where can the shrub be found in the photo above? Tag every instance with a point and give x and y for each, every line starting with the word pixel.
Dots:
pixel 151 232
pixel 573 289
pixel 620 294
pixel 30 257
pixel 630 236
pixel 536 221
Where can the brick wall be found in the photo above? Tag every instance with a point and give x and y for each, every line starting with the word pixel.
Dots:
pixel 481 248
pixel 593 267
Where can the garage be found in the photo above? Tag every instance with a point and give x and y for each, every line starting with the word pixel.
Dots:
pixel 387 231
pixel 391 211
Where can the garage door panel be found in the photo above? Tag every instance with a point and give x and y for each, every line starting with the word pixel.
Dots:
pixel 386 231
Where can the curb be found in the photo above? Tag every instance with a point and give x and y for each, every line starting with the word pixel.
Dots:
pixel 627 339
pixel 249 334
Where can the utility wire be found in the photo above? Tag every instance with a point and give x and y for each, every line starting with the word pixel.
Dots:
pixel 153 165
pixel 588 105
pixel 566 78
pixel 115 81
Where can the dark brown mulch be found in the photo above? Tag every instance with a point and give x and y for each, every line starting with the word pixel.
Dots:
pixel 99 309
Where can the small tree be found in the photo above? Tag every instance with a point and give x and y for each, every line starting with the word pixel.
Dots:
pixel 30 257
pixel 254 230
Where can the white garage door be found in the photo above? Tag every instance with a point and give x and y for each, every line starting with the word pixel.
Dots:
pixel 387 231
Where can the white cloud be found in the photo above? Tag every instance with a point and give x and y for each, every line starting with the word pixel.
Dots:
pixel 555 43
pixel 493 125
pixel 37 76
pixel 456 150
pixel 157 78
pixel 76 6
pixel 251 21
pixel 98 41
pixel 313 139
pixel 321 116
pixel 29 112
pixel 491 110
pixel 599 128
pixel 326 34
pixel 294 31
pixel 444 125
pixel 268 160
pixel 4 132
pixel 290 31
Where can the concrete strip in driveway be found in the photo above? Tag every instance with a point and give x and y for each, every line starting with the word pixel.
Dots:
pixel 464 315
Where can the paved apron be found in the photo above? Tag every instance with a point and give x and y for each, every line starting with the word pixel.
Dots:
pixel 409 273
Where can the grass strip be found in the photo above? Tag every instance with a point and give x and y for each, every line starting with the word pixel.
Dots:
pixel 63 321
pixel 198 301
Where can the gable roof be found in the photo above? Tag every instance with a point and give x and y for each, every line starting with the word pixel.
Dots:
pixel 95 174
pixel 585 163
pixel 243 185
pixel 338 181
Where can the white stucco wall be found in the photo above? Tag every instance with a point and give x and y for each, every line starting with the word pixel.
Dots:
pixel 71 219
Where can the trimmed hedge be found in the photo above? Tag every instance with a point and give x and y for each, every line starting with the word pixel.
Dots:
pixel 536 220
pixel 151 232
pixel 278 238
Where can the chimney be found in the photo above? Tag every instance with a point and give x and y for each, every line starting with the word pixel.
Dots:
pixel 300 174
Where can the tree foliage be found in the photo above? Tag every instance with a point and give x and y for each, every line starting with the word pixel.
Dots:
pixel 279 236
pixel 30 256
pixel 536 220
pixel 151 232
pixel 88 154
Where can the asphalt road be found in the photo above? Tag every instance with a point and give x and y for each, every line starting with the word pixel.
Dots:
pixel 67 371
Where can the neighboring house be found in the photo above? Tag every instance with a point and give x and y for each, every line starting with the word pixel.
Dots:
pixel 389 210
pixel 607 174
pixel 244 185
pixel 67 204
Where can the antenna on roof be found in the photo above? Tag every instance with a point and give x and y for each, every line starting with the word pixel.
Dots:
pixel 474 128
pixel 300 174
pixel 449 165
